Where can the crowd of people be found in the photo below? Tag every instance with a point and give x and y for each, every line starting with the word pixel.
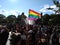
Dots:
pixel 30 34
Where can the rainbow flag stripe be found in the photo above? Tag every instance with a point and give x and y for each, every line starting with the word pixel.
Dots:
pixel 33 15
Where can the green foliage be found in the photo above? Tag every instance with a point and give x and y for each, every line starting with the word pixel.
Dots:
pixel 2 18
pixel 53 19
pixel 57 3
pixel 46 18
pixel 11 18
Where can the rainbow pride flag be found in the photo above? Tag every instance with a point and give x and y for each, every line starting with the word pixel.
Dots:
pixel 33 15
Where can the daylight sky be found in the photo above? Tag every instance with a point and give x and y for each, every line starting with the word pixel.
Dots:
pixel 15 7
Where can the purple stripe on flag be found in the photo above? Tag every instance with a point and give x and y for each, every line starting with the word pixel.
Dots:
pixel 32 19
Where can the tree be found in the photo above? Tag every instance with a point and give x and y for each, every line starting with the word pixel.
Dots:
pixel 57 21
pixel 46 18
pixel 57 3
pixel 2 18
pixel 11 18
pixel 54 19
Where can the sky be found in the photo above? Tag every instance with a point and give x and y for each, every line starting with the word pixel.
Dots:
pixel 15 7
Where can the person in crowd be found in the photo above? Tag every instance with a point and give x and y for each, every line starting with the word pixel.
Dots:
pixel 15 37
pixel 23 38
pixel 30 34
pixel 4 35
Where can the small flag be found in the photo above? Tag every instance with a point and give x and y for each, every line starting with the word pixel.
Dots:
pixel 33 15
